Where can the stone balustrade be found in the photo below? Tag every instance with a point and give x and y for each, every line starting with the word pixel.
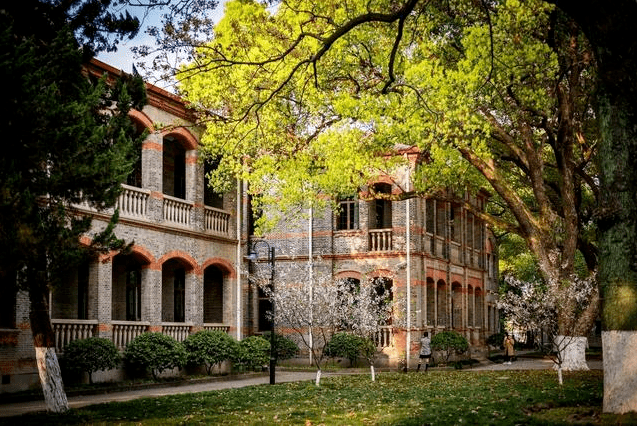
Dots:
pixel 380 240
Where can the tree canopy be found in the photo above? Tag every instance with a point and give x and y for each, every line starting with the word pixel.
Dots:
pixel 310 98
pixel 70 142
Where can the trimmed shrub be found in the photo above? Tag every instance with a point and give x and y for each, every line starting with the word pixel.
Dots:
pixel 155 352
pixel 349 346
pixel 496 340
pixel 91 355
pixel 252 353
pixel 285 348
pixel 209 348
pixel 449 342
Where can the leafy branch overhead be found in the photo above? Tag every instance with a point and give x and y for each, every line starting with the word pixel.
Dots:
pixel 305 98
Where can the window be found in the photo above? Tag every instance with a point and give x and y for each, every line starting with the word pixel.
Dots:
pixel 174 165
pixel 348 214
pixel 133 295
pixel 456 222
pixel 380 214
pixel 210 197
pixel 265 308
pixel 179 289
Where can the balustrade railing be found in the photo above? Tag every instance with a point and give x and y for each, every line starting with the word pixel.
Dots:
pixel 126 331
pixel 177 211
pixel 216 327
pixel 67 330
pixel 384 337
pixel 178 331
pixel 216 221
pixel 380 240
pixel 133 202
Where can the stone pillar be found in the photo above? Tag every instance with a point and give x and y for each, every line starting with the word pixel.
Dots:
pixel 101 285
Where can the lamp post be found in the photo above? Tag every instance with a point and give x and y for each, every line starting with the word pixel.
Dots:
pixel 253 257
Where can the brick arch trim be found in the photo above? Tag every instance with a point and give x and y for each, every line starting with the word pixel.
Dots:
pixel 182 256
pixel 381 272
pixel 349 274
pixel 147 257
pixel 223 264
pixel 184 136
pixel 141 118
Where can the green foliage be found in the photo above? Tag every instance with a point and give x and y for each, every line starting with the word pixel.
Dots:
pixel 452 398
pixel 155 352
pixel 69 145
pixel 209 348
pixel 285 348
pixel 90 355
pixel 449 342
pixel 496 340
pixel 252 353
pixel 350 346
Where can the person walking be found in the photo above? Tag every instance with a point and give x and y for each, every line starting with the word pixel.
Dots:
pixel 425 351
pixel 509 351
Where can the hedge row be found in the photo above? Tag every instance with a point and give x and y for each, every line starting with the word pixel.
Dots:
pixel 155 352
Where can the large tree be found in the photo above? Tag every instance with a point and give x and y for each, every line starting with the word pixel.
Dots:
pixel 69 141
pixel 611 31
pixel 315 97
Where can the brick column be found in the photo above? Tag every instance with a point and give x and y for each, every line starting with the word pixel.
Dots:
pixel 101 286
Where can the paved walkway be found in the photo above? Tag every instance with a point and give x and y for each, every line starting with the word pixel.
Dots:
pixel 12 409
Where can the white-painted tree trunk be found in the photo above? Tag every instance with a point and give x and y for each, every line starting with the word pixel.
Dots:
pixel 560 379
pixel 318 377
pixel 373 373
pixel 620 371
pixel 572 352
pixel 51 380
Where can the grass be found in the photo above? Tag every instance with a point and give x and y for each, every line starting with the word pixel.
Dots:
pixel 434 398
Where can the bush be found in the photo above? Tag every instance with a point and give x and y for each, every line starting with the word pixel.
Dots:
pixel 252 353
pixel 449 342
pixel 496 340
pixel 350 346
pixel 209 348
pixel 91 355
pixel 285 348
pixel 155 352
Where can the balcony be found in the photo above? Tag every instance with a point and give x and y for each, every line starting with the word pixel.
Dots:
pixel 380 240
pixel 177 211
pixel 67 330
pixel 216 221
pixel 133 202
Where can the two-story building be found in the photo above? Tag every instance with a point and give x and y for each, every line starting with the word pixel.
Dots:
pixel 187 270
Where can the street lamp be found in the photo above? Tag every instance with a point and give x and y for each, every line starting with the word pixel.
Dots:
pixel 253 257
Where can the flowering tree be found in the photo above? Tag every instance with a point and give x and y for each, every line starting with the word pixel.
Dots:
pixel 368 310
pixel 318 308
pixel 534 306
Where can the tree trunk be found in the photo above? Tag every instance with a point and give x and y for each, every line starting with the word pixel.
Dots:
pixel 44 343
pixel 318 377
pixel 572 353
pixel 610 27
pixel 620 381
pixel 373 373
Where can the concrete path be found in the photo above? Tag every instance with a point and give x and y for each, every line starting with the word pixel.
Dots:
pixel 12 409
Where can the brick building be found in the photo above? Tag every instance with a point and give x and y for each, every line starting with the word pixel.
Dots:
pixel 188 271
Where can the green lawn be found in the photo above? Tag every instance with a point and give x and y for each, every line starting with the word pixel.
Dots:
pixel 435 398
